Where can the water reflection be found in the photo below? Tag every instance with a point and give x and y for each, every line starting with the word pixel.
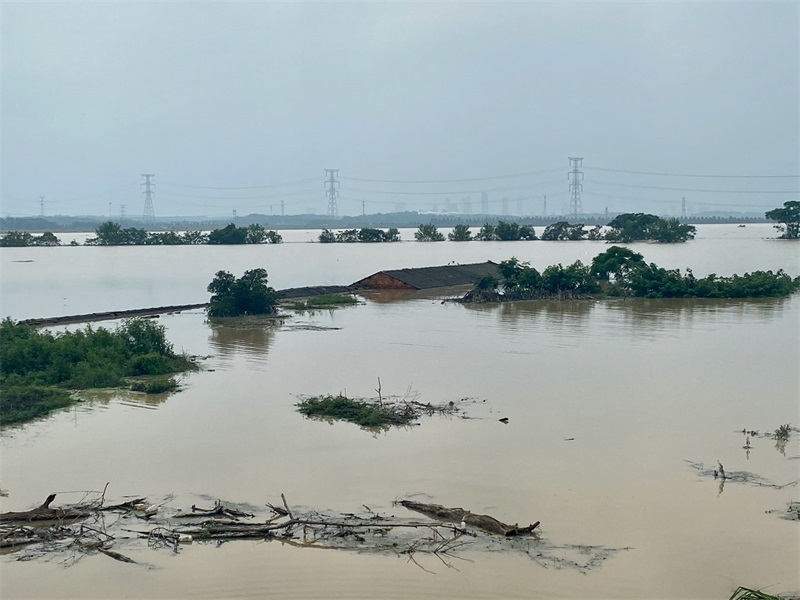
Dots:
pixel 101 398
pixel 659 314
pixel 251 342
pixel 562 317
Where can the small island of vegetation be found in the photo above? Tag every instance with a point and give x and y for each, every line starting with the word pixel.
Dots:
pixel 620 272
pixel 39 370
pixel 380 413
pixel 248 295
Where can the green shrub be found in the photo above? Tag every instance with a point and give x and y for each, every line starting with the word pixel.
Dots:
pixel 148 364
pixel 36 365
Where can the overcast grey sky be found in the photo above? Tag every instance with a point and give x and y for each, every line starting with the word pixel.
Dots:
pixel 235 95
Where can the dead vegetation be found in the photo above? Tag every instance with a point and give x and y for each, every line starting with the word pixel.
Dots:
pixel 375 413
pixel 720 475
pixel 72 532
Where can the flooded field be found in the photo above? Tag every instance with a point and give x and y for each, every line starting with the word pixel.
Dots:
pixel 609 404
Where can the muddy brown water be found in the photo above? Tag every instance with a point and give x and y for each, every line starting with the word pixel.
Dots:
pixel 605 400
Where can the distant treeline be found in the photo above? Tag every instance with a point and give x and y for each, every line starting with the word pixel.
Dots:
pixel 624 228
pixel 113 234
pixel 20 239
pixel 363 235
pixel 405 219
pixel 629 227
pixel 621 272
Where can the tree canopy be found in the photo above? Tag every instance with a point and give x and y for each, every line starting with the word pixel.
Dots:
pixel 23 239
pixel 428 233
pixel 621 272
pixel 248 295
pixel 364 235
pixel 636 227
pixel 562 230
pixel 460 233
pixel 787 219
pixel 111 233
pixel 505 231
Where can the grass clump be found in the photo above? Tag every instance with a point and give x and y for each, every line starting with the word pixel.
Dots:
pixel 381 413
pixel 324 301
pixel 743 593
pixel 361 412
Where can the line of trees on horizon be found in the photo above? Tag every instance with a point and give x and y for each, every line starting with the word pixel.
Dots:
pixel 624 228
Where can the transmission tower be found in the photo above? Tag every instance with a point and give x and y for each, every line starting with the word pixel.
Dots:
pixel 41 206
pixel 683 207
pixel 331 192
pixel 149 215
pixel 575 186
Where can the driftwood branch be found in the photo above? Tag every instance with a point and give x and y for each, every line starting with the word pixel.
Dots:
pixel 45 513
pixel 482 522
pixel 45 530
pixel 218 510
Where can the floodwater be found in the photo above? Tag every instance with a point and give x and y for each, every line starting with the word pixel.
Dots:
pixel 606 401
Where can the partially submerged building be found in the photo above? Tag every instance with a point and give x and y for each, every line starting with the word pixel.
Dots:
pixel 425 278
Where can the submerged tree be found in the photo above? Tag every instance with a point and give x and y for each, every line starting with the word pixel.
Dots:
pixel 428 233
pixel 22 239
pixel 563 230
pixel 486 233
pixel 635 227
pixel 787 219
pixel 671 231
pixel 460 233
pixel 327 237
pixel 252 234
pixel 248 295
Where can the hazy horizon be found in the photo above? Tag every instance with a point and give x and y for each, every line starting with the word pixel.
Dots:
pixel 239 106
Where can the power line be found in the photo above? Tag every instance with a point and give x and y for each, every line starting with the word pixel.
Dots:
pixel 443 192
pixel 491 177
pixel 492 201
pixel 679 189
pixel 673 202
pixel 694 174
pixel 248 187
pixel 258 197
